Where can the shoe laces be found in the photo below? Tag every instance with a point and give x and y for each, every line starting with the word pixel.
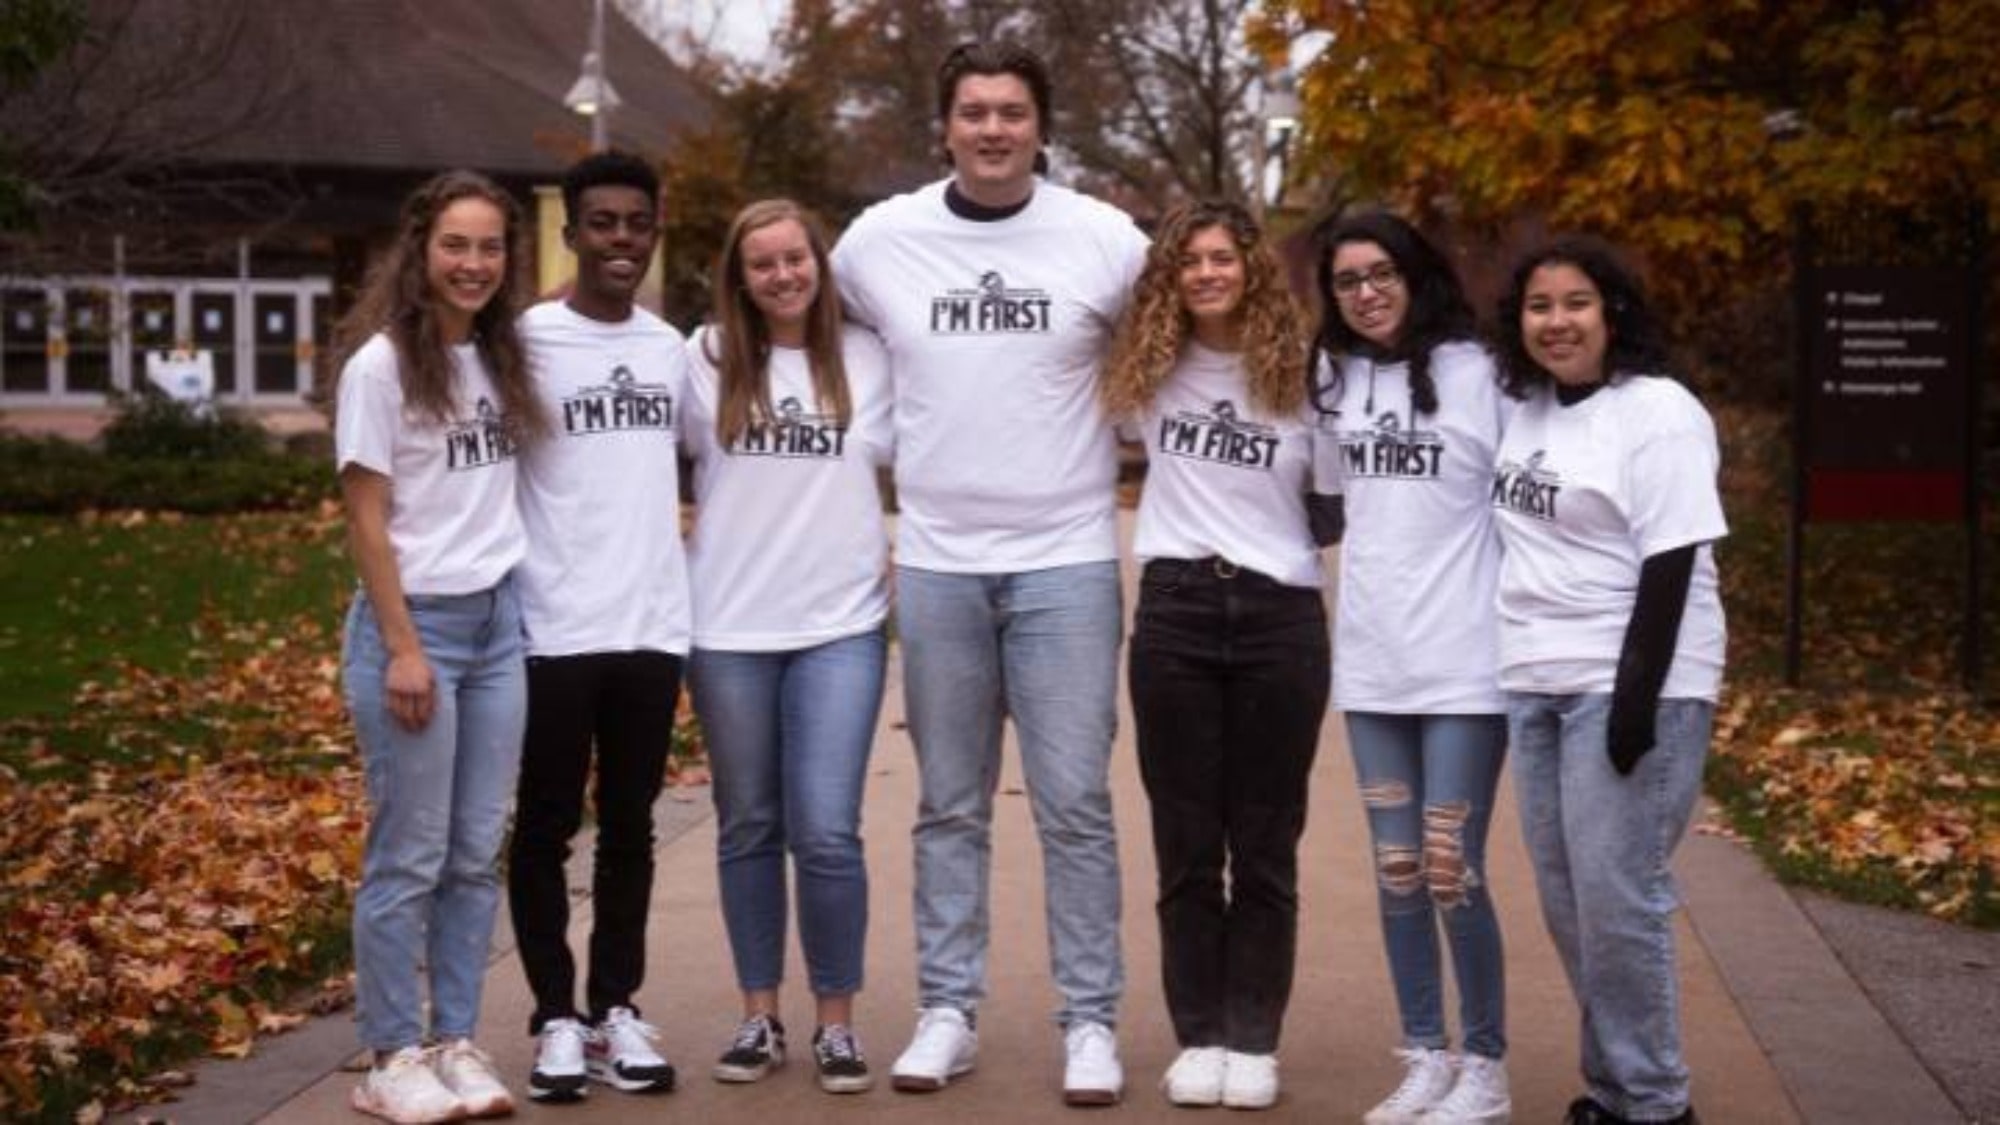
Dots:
pixel 836 1043
pixel 1480 1080
pixel 752 1033
pixel 625 1027
pixel 935 1019
pixel 1089 1037
pixel 1420 1066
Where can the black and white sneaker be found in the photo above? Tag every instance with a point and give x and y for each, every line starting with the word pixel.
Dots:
pixel 621 1055
pixel 757 1050
pixel 842 1067
pixel 559 1068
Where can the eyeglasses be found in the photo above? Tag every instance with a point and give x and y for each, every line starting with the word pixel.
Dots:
pixel 1382 277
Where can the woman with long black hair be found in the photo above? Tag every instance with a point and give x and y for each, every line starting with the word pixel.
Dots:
pixel 1411 410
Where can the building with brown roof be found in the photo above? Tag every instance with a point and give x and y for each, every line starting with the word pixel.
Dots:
pixel 213 174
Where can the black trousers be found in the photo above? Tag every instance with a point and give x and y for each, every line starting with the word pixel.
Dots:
pixel 1230 672
pixel 617 707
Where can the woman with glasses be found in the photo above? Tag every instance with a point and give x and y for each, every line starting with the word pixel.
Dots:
pixel 1410 417
pixel 1611 651
pixel 1229 657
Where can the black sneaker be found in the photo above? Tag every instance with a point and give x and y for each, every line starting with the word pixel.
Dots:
pixel 757 1050
pixel 842 1068
pixel 1586 1111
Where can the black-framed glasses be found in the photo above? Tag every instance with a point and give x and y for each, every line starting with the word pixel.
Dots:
pixel 1382 277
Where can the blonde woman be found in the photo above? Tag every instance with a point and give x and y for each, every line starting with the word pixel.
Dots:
pixel 1229 659
pixel 788 421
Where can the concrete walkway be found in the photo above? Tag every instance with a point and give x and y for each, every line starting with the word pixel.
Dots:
pixel 1777 1031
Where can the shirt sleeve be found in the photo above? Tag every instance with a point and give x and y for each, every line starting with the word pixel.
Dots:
pixel 1672 497
pixel 368 412
pixel 845 262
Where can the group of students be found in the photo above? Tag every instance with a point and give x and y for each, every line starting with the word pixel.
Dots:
pixel 1524 529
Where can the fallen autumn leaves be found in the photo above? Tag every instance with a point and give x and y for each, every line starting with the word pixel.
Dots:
pixel 154 908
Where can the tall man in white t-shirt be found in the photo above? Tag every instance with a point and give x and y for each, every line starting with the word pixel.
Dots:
pixel 996 294
pixel 605 600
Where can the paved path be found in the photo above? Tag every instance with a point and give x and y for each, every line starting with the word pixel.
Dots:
pixel 1777 1031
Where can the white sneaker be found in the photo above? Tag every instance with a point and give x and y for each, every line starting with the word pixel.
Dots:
pixel 403 1088
pixel 1479 1097
pixel 1249 1081
pixel 1427 1077
pixel 468 1072
pixel 621 1055
pixel 1196 1077
pixel 1091 1074
pixel 559 1071
pixel 943 1047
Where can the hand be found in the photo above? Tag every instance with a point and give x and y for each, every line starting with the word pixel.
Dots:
pixel 1631 731
pixel 412 690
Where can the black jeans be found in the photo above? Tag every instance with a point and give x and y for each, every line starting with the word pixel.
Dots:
pixel 1230 672
pixel 621 704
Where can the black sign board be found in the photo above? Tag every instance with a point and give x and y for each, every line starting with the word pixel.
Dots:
pixel 1886 368
pixel 1886 403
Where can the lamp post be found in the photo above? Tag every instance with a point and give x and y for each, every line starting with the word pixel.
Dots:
pixel 591 95
pixel 1277 121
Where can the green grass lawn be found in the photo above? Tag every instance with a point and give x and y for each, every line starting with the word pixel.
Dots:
pixel 88 598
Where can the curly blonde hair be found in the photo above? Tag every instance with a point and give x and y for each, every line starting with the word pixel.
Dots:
pixel 1156 324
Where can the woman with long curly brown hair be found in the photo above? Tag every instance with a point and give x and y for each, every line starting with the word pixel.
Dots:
pixel 1229 659
pixel 432 401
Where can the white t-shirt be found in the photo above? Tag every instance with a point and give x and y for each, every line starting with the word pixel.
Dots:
pixel 451 486
pixel 789 547
pixel 1223 476
pixel 995 332
pixel 1584 494
pixel 601 497
pixel 1415 632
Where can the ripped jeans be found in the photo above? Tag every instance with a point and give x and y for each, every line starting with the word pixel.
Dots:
pixel 1427 782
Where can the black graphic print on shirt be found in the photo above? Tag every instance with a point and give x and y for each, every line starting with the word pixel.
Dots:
pixel 1219 436
pixel 1386 450
pixel 990 309
pixel 795 433
pixel 618 404
pixel 1529 488
pixel 487 438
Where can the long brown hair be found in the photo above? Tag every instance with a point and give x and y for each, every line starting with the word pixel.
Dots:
pixel 739 343
pixel 1156 325
pixel 397 300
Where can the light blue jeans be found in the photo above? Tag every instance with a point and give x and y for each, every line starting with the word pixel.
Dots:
pixel 788 740
pixel 439 802
pixel 1600 843
pixel 1427 782
pixel 1040 646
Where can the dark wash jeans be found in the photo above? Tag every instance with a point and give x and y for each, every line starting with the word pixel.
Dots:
pixel 621 705
pixel 1229 673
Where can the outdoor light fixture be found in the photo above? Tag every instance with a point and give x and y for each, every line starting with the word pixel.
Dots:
pixel 591 95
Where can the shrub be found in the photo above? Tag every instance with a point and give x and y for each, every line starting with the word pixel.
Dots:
pixel 50 475
pixel 149 425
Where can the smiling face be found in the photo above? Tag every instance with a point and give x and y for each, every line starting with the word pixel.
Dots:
pixel 993 134
pixel 1562 324
pixel 465 261
pixel 1212 280
pixel 782 277
pixel 613 235
pixel 1369 289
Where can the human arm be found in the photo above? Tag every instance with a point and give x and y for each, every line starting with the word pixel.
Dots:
pixel 1647 654
pixel 408 681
